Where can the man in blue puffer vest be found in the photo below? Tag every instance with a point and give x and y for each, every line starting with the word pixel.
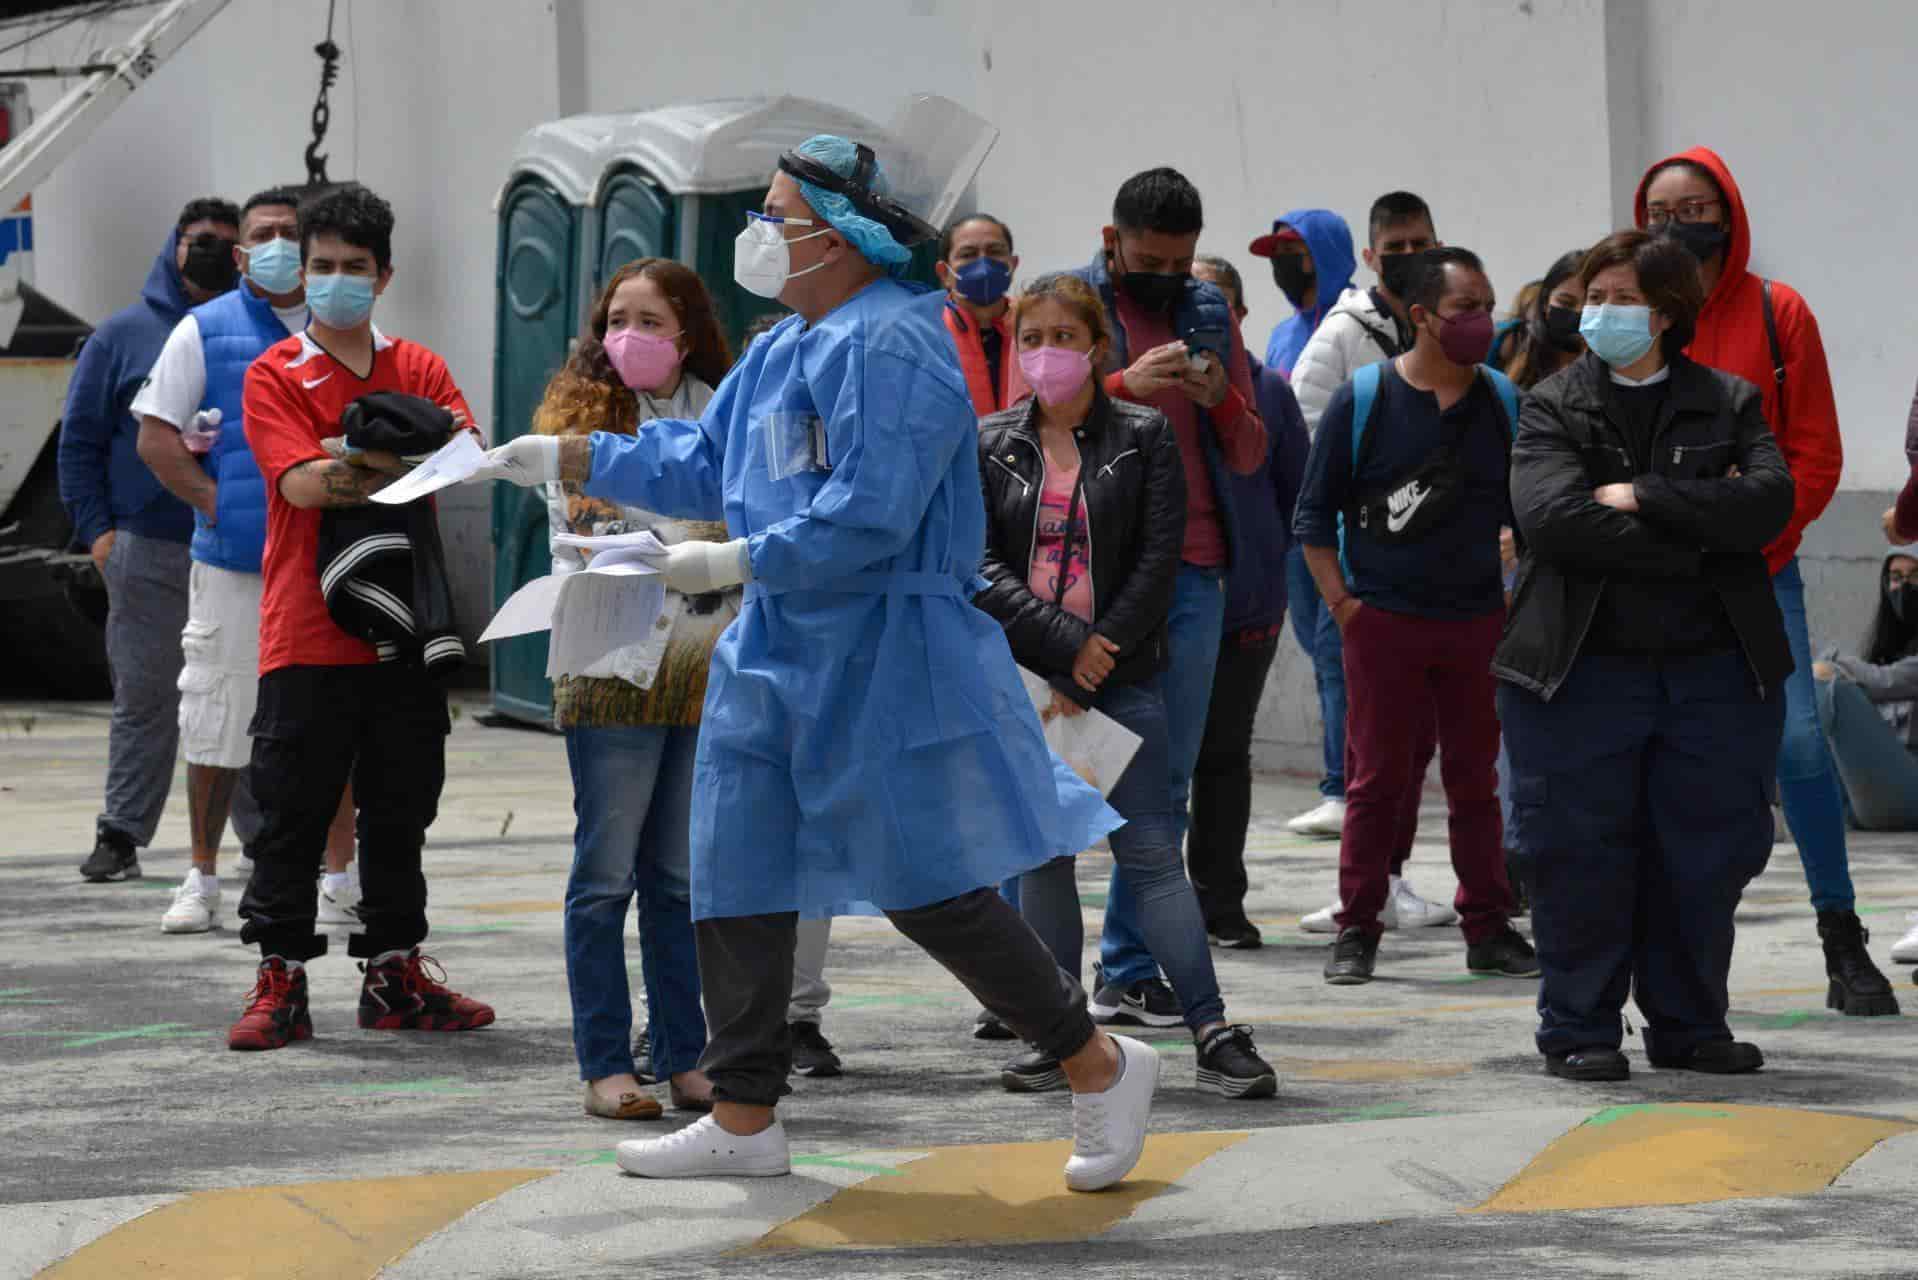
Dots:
pixel 202 369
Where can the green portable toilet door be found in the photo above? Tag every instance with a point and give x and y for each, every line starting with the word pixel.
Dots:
pixel 537 306
pixel 635 221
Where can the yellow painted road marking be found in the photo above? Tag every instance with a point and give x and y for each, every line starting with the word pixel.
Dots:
pixel 301 1231
pixel 1689 1154
pixel 1370 1070
pixel 997 1194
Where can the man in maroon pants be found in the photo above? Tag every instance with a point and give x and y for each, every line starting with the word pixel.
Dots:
pixel 1407 484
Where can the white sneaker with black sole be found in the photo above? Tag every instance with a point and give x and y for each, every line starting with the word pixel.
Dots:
pixel 1108 1129
pixel 1150 1003
pixel 341 906
pixel 704 1150
pixel 1325 819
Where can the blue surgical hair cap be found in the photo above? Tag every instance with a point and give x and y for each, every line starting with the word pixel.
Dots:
pixel 874 242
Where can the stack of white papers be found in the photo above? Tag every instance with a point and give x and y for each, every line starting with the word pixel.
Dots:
pixel 1094 745
pixel 615 604
pixel 451 463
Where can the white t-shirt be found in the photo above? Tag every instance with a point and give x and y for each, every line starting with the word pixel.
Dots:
pixel 177 382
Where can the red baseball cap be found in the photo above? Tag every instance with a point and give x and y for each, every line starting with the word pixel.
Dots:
pixel 1266 245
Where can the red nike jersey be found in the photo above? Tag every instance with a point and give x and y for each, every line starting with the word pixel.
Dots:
pixel 295 394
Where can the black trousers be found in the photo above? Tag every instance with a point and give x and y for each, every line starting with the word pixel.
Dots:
pixel 746 973
pixel 1641 796
pixel 384 727
pixel 1222 779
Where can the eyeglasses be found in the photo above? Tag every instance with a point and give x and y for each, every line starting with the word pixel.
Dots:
pixel 1699 210
pixel 779 221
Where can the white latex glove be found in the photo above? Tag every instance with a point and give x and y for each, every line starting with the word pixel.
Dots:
pixel 526 461
pixel 696 568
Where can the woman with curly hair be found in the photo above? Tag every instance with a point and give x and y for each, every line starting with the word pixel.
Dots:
pixel 653 350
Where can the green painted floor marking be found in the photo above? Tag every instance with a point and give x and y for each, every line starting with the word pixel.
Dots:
pixel 1092 900
pixel 903 998
pixel 1612 1115
pixel 447 1085
pixel 840 1162
pixel 87 1039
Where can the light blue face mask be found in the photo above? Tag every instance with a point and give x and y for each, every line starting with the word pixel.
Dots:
pixel 275 265
pixel 1618 335
pixel 339 301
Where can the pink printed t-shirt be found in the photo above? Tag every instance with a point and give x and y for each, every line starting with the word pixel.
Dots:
pixel 1048 546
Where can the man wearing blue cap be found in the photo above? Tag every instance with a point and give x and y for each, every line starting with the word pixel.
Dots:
pixel 866 736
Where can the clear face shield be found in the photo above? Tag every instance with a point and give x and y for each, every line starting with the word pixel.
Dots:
pixel 929 156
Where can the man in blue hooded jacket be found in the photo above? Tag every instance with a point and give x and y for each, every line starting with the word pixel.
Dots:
pixel 136 531
pixel 1312 264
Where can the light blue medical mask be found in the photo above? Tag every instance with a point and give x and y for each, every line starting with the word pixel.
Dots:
pixel 1619 335
pixel 275 265
pixel 339 301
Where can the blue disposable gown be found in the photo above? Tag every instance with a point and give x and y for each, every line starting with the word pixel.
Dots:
pixel 866 737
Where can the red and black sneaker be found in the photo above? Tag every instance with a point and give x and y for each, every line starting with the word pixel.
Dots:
pixel 400 994
pixel 275 1010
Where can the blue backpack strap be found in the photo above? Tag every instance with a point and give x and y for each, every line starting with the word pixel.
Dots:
pixel 1365 389
pixel 1507 395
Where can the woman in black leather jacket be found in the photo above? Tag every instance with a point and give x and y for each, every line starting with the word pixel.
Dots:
pixel 1642 666
pixel 1085 514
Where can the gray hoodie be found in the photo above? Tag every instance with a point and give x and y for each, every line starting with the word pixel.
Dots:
pixel 1892 686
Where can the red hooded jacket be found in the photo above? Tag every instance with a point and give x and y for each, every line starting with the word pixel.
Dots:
pixel 1731 337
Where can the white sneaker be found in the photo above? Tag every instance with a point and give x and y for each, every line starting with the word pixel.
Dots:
pixel 196 904
pixel 1409 911
pixel 1108 1129
pixel 243 865
pixel 1905 950
pixel 704 1150
pixel 1402 909
pixel 342 908
pixel 1328 819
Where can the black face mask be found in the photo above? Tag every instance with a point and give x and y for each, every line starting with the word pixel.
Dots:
pixel 1561 328
pixel 1395 272
pixel 1150 289
pixel 1899 601
pixel 1703 238
pixel 1293 277
pixel 209 263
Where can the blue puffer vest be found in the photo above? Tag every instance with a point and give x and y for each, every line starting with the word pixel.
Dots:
pixel 234 329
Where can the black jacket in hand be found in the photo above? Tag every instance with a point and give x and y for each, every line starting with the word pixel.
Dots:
pixel 1695 524
pixel 1132 487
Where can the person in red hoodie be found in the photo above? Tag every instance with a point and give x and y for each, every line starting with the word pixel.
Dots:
pixel 1764 332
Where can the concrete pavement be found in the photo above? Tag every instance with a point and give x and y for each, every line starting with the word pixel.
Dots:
pixel 1414 1130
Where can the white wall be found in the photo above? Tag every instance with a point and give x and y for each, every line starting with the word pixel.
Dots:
pixel 1523 122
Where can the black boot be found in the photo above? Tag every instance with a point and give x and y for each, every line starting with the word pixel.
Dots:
pixel 1858 989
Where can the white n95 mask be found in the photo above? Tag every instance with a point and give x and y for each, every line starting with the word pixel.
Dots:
pixel 762 264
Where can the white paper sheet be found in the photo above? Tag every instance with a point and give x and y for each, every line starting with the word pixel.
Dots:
pixel 453 462
pixel 604 617
pixel 639 540
pixel 1093 744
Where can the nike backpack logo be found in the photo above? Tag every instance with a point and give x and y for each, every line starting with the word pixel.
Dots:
pixel 1403 505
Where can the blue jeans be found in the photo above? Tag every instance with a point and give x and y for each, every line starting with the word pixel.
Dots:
pixel 1807 779
pixel 1311 623
pixel 1879 772
pixel 632 799
pixel 1145 854
pixel 1194 628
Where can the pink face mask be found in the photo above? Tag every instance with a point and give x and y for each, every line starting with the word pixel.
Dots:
pixel 1055 374
pixel 642 360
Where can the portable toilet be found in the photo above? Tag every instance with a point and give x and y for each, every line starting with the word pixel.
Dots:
pixel 582 197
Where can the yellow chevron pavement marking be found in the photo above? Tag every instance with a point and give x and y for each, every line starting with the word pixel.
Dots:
pixel 300 1231
pixel 1685 1153
pixel 992 1194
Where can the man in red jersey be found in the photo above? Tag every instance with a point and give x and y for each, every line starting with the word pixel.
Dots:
pixel 328 707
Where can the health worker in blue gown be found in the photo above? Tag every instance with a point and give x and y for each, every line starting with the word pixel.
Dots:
pixel 866 737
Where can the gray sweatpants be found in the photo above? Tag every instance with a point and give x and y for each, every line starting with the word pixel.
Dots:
pixel 746 977
pixel 146 611
pixel 811 991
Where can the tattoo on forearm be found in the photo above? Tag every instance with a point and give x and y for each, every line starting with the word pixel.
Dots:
pixel 346 485
pixel 575 459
